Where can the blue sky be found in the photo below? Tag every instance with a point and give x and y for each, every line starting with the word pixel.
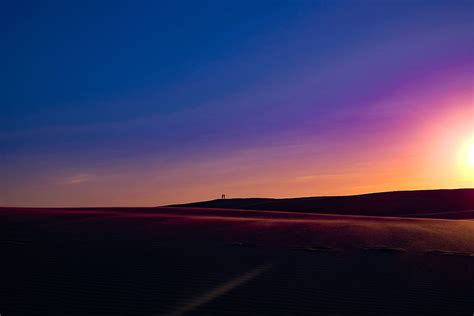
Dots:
pixel 114 85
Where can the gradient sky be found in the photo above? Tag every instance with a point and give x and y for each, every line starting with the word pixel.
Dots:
pixel 152 102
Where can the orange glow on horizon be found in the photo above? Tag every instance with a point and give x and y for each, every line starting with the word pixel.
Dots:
pixel 471 154
pixel 449 145
pixel 466 157
pixel 430 145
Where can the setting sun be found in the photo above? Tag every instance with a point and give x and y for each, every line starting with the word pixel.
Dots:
pixel 470 155
pixel 466 159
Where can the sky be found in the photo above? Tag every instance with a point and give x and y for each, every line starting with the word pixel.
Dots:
pixel 143 103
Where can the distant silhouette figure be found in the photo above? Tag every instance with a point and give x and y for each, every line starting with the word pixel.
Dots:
pixel 223 196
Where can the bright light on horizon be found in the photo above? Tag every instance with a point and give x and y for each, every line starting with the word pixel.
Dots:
pixel 466 159
pixel 470 154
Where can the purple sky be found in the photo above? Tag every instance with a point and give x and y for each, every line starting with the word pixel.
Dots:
pixel 160 102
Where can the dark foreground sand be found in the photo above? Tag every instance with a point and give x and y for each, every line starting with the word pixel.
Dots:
pixel 174 261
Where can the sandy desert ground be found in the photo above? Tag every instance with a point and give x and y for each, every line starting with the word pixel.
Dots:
pixel 201 261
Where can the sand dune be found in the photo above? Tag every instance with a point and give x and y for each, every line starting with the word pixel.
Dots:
pixel 207 261
pixel 458 203
pixel 269 228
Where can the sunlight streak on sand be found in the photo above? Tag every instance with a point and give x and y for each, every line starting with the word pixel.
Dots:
pixel 219 290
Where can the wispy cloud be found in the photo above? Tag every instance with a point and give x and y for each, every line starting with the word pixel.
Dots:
pixel 326 175
pixel 76 179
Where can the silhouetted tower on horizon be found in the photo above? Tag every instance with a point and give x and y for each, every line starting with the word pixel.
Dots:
pixel 223 196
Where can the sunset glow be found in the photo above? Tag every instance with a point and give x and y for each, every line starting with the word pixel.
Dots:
pixel 467 152
pixel 246 157
pixel 271 100
pixel 471 154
